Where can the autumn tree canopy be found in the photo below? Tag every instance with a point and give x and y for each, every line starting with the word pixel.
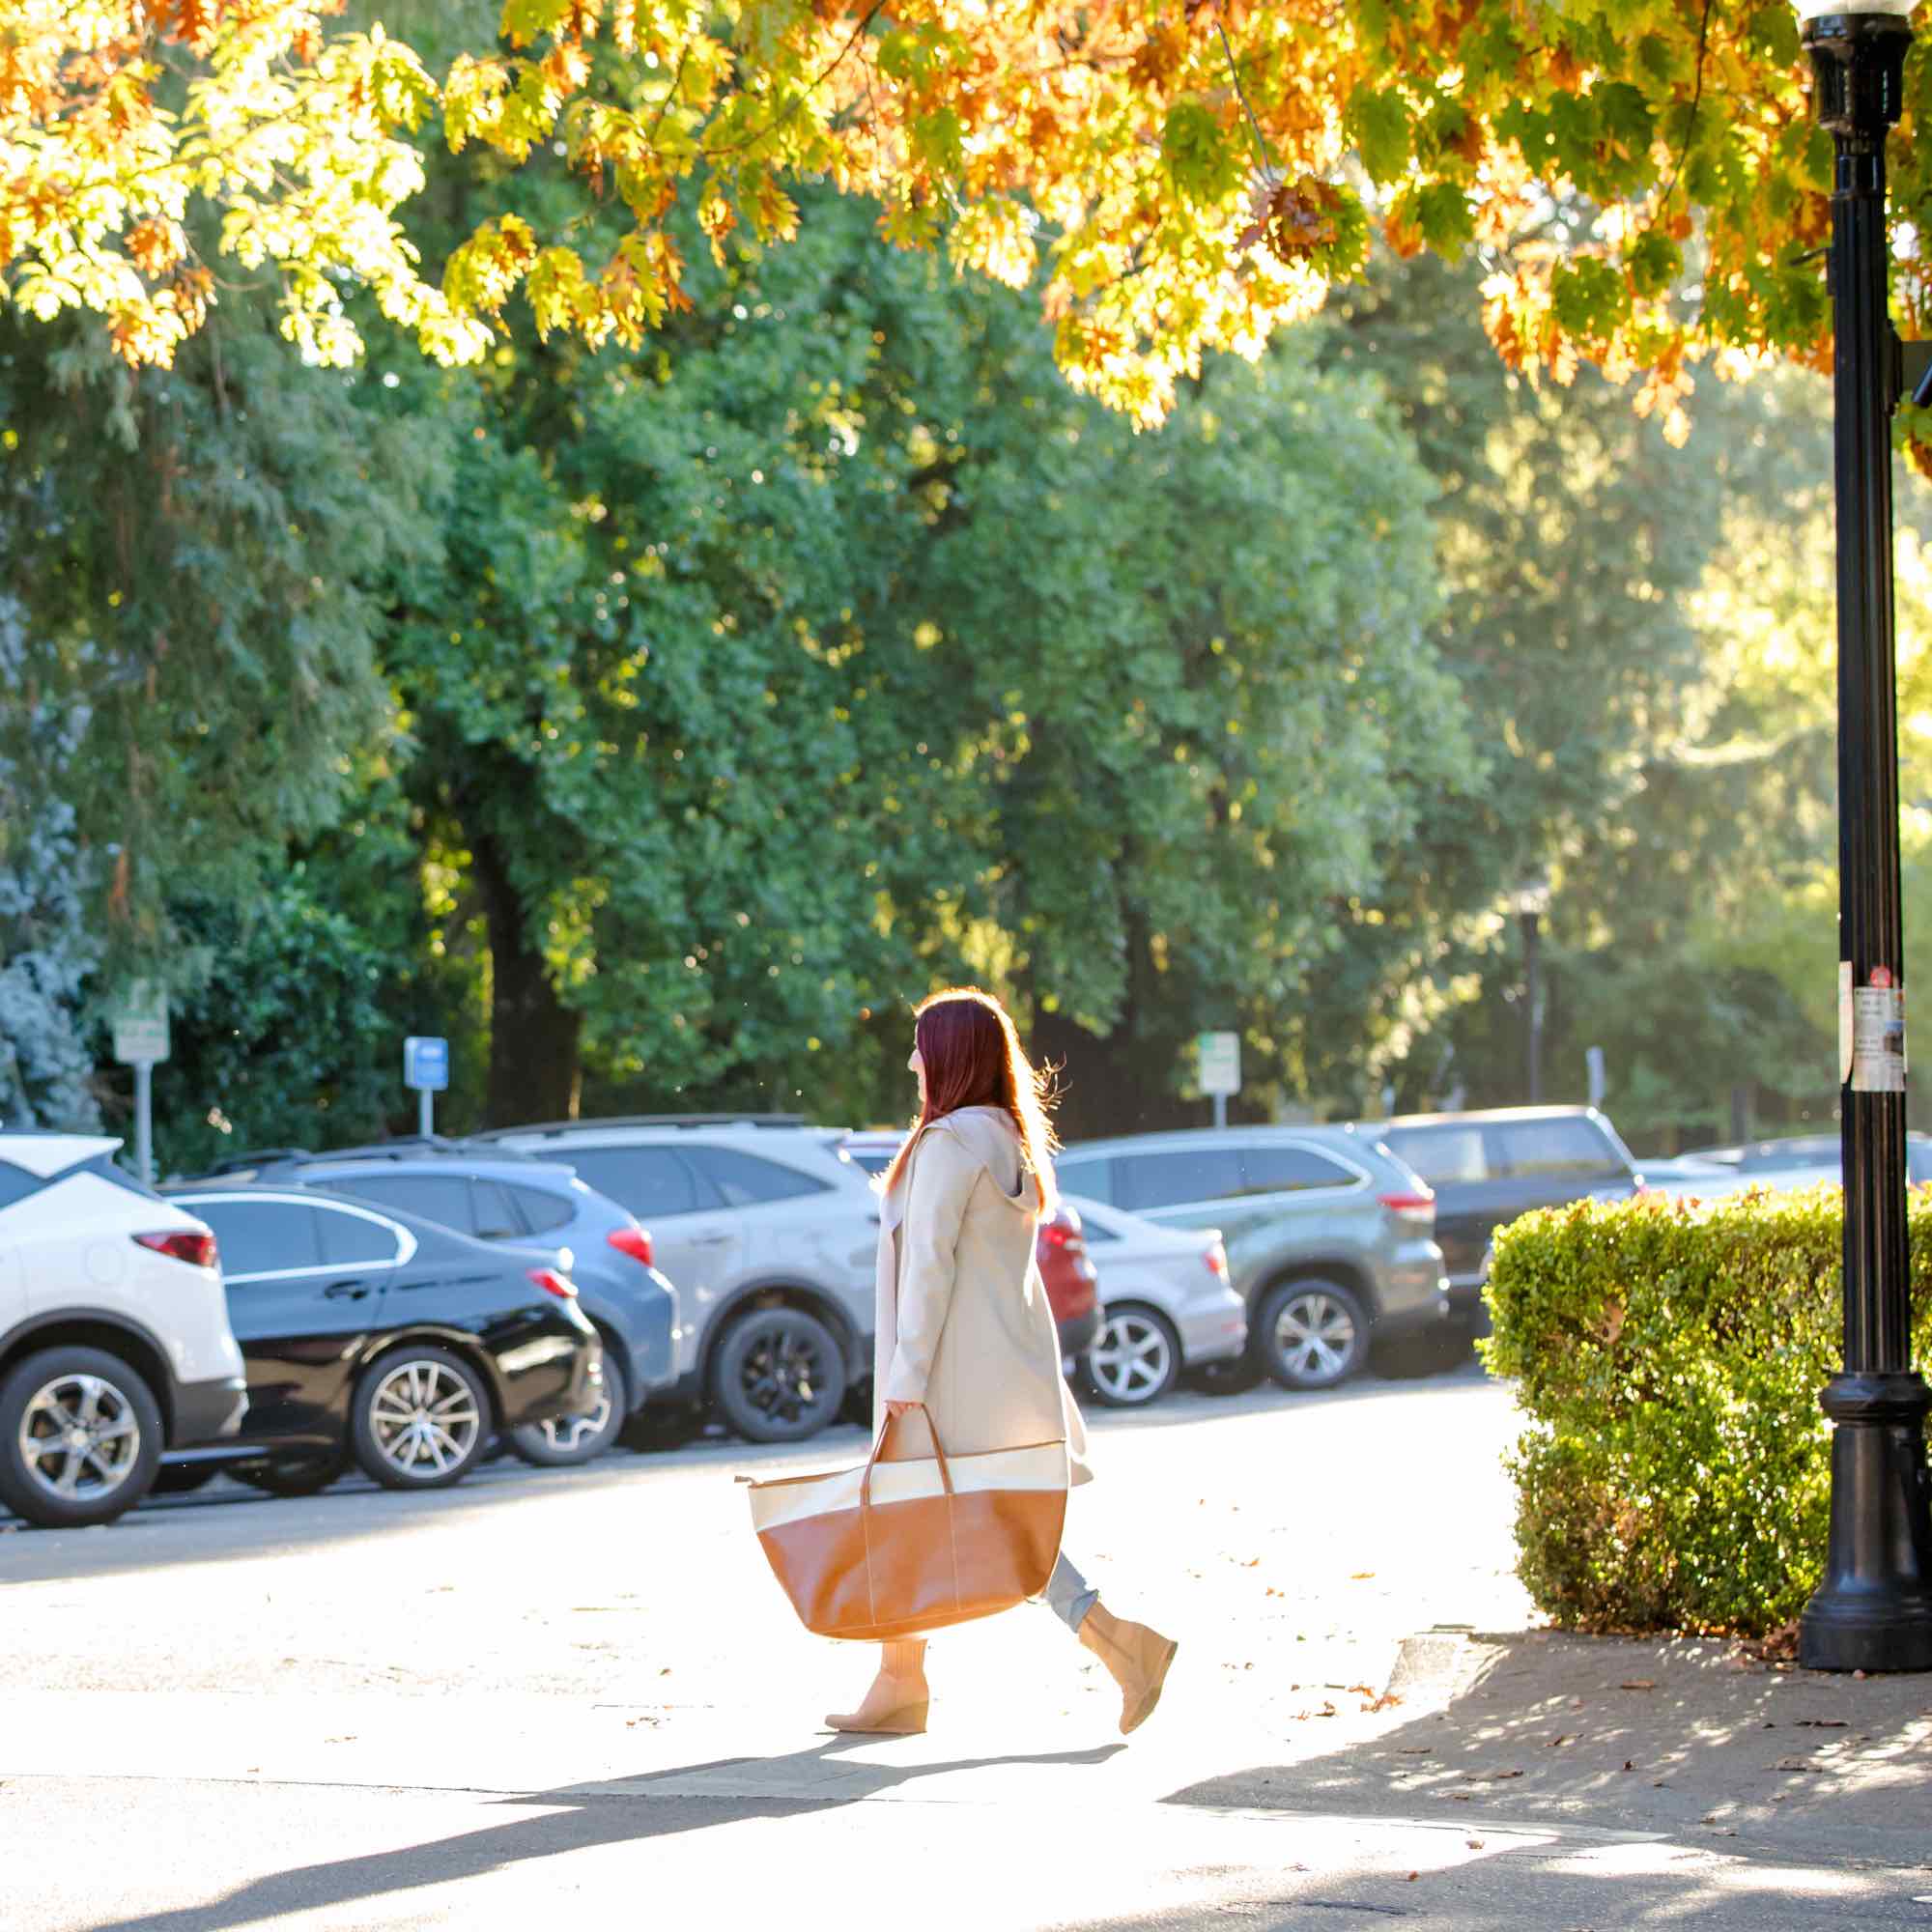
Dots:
pixel 1194 172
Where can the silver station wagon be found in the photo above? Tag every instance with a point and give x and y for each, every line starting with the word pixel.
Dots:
pixel 1330 1239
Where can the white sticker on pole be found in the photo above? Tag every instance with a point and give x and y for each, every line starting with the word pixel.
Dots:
pixel 1878 1036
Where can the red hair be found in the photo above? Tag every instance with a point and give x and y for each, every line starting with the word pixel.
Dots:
pixel 973 1058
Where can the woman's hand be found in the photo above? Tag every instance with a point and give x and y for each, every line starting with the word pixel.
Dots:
pixel 897 1408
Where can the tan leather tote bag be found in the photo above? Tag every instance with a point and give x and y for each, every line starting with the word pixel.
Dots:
pixel 894 1550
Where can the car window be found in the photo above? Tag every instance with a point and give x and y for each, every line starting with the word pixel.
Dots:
pixel 542 1209
pixel 354 1240
pixel 1282 1170
pixel 1092 1178
pixel 651 1182
pixel 1441 1153
pixel 1800 1151
pixel 1094 1230
pixel 262 1237
pixel 1919 1160
pixel 1554 1148
pixel 747 1181
pixel 1170 1179
pixel 17 1183
pixel 494 1213
pixel 442 1198
pixel 872 1160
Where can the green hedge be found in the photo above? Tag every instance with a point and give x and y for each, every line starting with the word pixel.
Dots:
pixel 1675 1471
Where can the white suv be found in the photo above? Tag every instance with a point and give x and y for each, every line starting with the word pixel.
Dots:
pixel 767 1236
pixel 114 1336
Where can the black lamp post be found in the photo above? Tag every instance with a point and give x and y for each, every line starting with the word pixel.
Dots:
pixel 1874 1608
pixel 1531 900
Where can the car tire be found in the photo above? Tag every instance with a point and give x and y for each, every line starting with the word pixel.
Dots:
pixel 567 1441
pixel 182 1479
pixel 779 1376
pixel 1312 1333
pixel 1134 1359
pixel 44 1401
pixel 420 1418
pixel 293 1475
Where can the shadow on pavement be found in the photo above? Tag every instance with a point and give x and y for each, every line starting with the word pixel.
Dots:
pixel 582 1818
pixel 1681 1737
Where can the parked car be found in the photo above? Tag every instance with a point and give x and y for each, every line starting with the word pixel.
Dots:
pixel 374 1336
pixel 1330 1239
pixel 1488 1167
pixel 1169 1305
pixel 500 1197
pixel 1820 1155
pixel 770 1238
pixel 114 1336
pixel 1065 1266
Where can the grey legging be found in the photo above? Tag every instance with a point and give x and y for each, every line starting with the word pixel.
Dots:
pixel 1068 1594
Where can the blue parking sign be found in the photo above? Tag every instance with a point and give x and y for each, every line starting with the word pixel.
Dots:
pixel 425 1064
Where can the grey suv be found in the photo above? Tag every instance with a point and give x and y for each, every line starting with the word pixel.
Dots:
pixel 770 1239
pixel 1330 1239
pixel 1488 1167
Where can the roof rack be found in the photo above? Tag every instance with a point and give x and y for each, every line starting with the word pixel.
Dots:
pixel 645 1121
pixel 253 1157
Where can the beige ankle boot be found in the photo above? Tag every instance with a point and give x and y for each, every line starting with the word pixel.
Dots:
pixel 897 1702
pixel 1137 1659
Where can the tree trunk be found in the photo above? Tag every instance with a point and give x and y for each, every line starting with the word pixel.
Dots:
pixel 534 1073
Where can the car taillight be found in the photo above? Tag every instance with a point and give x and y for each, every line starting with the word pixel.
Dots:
pixel 552 1283
pixel 1216 1258
pixel 636 1243
pixel 1417 1210
pixel 196 1249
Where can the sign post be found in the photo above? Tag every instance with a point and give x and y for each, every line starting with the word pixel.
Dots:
pixel 140 1039
pixel 1220 1070
pixel 426 1070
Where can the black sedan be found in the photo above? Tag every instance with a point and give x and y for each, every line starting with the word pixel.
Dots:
pixel 377 1336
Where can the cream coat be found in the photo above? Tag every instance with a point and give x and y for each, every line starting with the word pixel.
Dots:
pixel 964 1324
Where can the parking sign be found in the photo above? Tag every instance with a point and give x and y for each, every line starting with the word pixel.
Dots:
pixel 426 1064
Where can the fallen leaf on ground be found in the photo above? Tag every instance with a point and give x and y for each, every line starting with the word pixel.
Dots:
pixel 1639 1684
pixel 1630 1764
pixel 1360 1575
pixel 1413 1876
pixel 1415 1750
pixel 1474 1844
pixel 1561 1738
pixel 1821 1723
pixel 1798 1764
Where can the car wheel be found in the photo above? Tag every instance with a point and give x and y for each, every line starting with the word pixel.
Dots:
pixel 293 1475
pixel 1135 1358
pixel 181 1479
pixel 566 1440
pixel 779 1376
pixel 1313 1333
pixel 80 1438
pixel 420 1419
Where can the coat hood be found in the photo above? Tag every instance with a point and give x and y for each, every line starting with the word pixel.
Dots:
pixel 989 1136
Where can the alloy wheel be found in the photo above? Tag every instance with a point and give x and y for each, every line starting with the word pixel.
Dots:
pixel 1132 1360
pixel 424 1419
pixel 568 1433
pixel 79 1438
pixel 783 1376
pixel 1315 1336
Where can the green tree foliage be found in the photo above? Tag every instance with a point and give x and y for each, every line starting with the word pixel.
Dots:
pixel 190 556
pixel 45 950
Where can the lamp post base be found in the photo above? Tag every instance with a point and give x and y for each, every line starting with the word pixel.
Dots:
pixel 1873 1611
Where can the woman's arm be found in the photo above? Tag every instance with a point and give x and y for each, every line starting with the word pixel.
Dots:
pixel 942 1181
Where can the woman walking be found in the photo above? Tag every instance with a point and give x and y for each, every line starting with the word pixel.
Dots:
pixel 965 1335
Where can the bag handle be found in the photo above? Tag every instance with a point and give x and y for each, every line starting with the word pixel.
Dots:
pixel 885 1429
